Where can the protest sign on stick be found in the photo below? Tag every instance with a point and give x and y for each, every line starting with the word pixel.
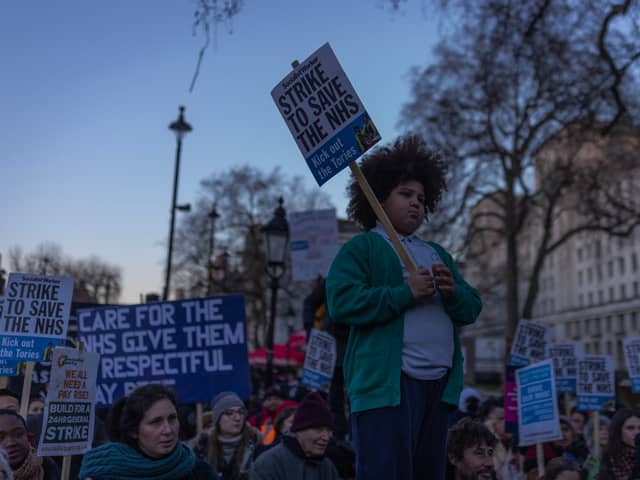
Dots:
pixel 330 126
pixel 632 357
pixel 35 316
pixel 69 407
pixel 198 346
pixel 314 243
pixel 319 361
pixel 538 416
pixel 529 344
pixel 565 363
pixel 596 383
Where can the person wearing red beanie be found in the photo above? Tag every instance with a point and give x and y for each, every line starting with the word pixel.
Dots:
pixel 300 454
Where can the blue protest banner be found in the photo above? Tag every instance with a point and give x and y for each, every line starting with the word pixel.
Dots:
pixel 538 417
pixel 632 358
pixel 596 383
pixel 198 346
pixel 324 114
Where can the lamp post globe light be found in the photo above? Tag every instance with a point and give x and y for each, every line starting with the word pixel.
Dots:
pixel 180 127
pixel 276 234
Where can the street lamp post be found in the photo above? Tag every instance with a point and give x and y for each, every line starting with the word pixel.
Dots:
pixel 213 215
pixel 277 243
pixel 180 127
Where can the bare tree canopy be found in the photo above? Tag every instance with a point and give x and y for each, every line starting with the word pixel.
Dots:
pixel 95 281
pixel 509 79
pixel 219 244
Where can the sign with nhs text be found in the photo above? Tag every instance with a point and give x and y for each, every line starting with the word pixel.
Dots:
pixel 34 319
pixel 324 114
pixel 197 346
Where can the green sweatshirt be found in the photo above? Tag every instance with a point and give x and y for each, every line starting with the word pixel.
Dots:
pixel 366 290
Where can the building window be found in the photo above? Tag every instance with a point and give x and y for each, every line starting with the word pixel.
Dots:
pixel 609 348
pixel 580 300
pixel 589 275
pixel 580 254
pixel 623 291
pixel 577 329
pixel 580 278
pixel 596 347
pixel 636 289
pixel 599 272
pixel 610 268
pixel 587 348
pixel 621 265
pixel 600 296
pixel 590 298
pixel 621 323
pixel 587 326
pixel 634 262
pixel 608 324
pixel 567 330
pixel 611 294
pixel 634 321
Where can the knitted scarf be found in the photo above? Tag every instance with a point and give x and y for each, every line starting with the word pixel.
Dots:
pixel 118 461
pixel 31 468
pixel 622 463
pixel 229 445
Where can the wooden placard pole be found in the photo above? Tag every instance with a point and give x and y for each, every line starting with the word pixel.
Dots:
pixel 540 458
pixel 377 209
pixel 26 389
pixel 199 418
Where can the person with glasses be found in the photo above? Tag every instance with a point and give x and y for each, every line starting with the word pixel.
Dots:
pixel 24 462
pixel 230 444
pixel 301 453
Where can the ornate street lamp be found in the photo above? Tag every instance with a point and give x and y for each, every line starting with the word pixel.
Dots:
pixel 213 216
pixel 277 246
pixel 180 127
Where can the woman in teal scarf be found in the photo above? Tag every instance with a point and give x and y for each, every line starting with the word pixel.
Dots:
pixel 147 443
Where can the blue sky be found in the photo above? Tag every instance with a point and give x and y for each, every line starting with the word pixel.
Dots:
pixel 89 88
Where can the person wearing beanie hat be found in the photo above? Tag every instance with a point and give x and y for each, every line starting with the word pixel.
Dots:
pixel 230 444
pixel 301 453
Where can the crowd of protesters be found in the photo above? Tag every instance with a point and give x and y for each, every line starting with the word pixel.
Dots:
pixel 144 441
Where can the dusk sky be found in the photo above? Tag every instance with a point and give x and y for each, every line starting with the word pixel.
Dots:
pixel 89 89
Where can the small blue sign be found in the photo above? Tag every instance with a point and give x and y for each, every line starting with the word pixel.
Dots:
pixel 197 346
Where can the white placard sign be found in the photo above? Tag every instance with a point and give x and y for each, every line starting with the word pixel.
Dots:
pixel 529 344
pixel 319 360
pixel 565 362
pixel 596 382
pixel 324 114
pixel 70 405
pixel 632 357
pixel 538 416
pixel 314 243
pixel 35 316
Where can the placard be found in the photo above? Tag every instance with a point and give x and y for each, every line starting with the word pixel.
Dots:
pixel 319 361
pixel 596 383
pixel 538 416
pixel 314 243
pixel 198 346
pixel 565 363
pixel 529 344
pixel 69 409
pixel 35 317
pixel 324 114
pixel 632 358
